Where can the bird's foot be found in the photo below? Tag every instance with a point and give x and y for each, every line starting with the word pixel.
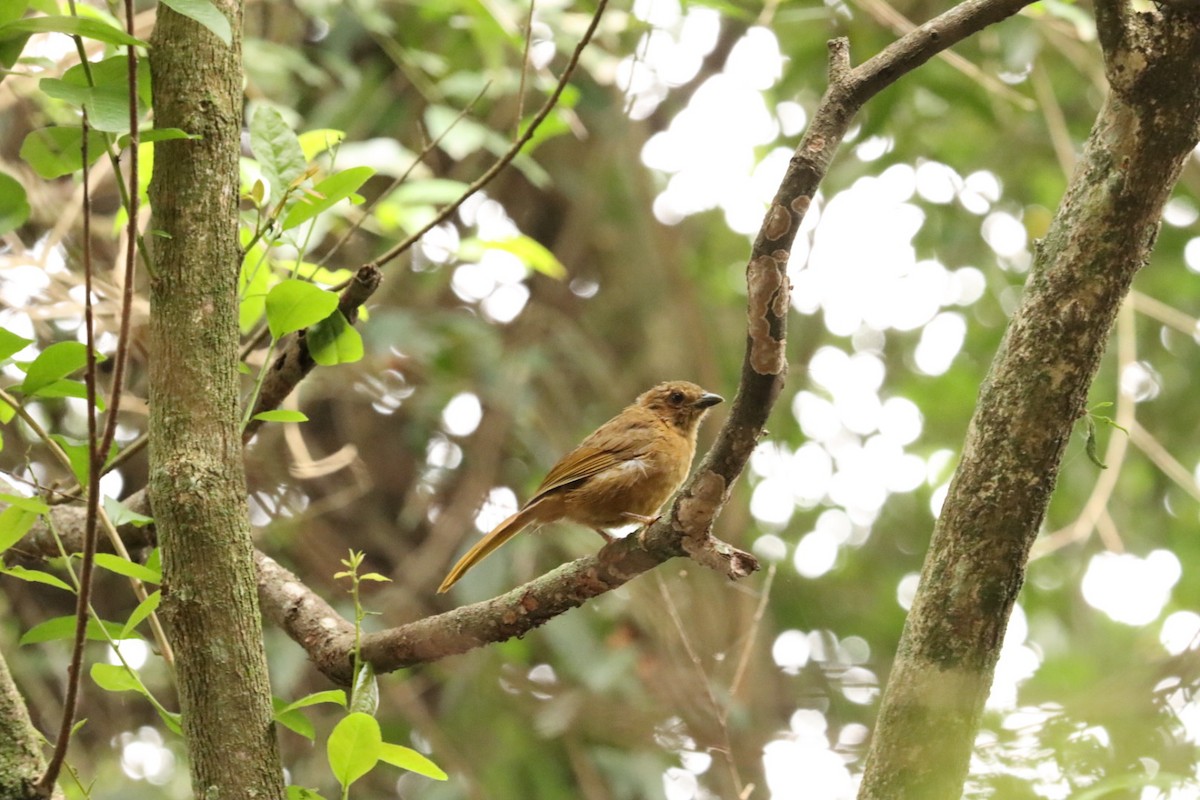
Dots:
pixel 646 523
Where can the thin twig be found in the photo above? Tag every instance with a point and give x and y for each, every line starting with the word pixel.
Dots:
pixel 131 248
pixel 83 598
pixel 739 673
pixel 718 713
pixel 887 14
pixel 56 450
pixel 395 184
pixel 1162 458
pixel 1056 121
pixel 1166 314
pixel 513 151
pixel 524 68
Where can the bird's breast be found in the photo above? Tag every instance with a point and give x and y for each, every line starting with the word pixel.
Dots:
pixel 639 485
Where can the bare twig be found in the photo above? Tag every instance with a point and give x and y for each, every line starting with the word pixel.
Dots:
pixel 420 157
pixel 739 673
pixel 131 247
pixel 1162 458
pixel 512 152
pixel 887 14
pixel 524 68
pixel 84 593
pixel 718 713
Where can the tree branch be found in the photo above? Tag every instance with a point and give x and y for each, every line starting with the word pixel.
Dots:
pixel 685 529
pixel 293 364
pixel 1036 389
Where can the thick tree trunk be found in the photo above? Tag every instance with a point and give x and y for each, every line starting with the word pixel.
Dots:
pixel 21 761
pixel 1035 392
pixel 197 484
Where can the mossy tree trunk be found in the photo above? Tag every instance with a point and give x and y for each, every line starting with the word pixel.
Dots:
pixel 1033 396
pixel 197 483
pixel 21 761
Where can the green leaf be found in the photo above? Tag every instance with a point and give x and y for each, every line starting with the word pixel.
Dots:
pixel 204 12
pixel 293 720
pixel 332 190
pixel 28 503
pixel 430 192
pixel 130 569
pixel 117 678
pixel 1090 444
pixel 10 50
pixel 107 106
pixel 172 720
pixel 315 142
pixel 277 149
pixel 143 610
pixel 529 250
pixel 281 415
pixel 313 272
pixel 15 522
pixel 113 73
pixel 88 28
pixel 302 793
pixel 67 388
pixel 158 135
pixel 13 9
pixel 121 514
pixel 78 453
pixel 64 628
pixel 335 696
pixel 293 305
pixel 458 136
pixel 11 344
pixel 364 697
pixel 54 152
pixel 14 208
pixel 353 747
pixel 409 759
pixel 334 340
pixel 35 576
pixel 56 361
pixel 253 281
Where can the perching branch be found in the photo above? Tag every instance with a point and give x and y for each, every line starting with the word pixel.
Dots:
pixel 684 530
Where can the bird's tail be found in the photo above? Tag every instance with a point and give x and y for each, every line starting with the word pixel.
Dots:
pixel 483 548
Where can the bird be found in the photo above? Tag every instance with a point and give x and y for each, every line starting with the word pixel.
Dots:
pixel 623 472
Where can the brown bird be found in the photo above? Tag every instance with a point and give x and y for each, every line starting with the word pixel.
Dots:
pixel 622 473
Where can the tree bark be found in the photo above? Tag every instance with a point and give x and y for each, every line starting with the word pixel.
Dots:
pixel 197 482
pixel 1034 393
pixel 21 761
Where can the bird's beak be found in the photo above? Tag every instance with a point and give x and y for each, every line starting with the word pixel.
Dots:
pixel 709 399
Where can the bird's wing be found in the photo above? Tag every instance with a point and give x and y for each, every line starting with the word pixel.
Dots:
pixel 610 446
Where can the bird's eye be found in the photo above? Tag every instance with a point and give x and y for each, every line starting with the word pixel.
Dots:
pixel 676 397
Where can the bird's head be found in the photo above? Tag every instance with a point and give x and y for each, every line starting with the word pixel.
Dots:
pixel 680 403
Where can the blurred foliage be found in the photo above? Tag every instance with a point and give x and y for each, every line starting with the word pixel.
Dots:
pixel 602 702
